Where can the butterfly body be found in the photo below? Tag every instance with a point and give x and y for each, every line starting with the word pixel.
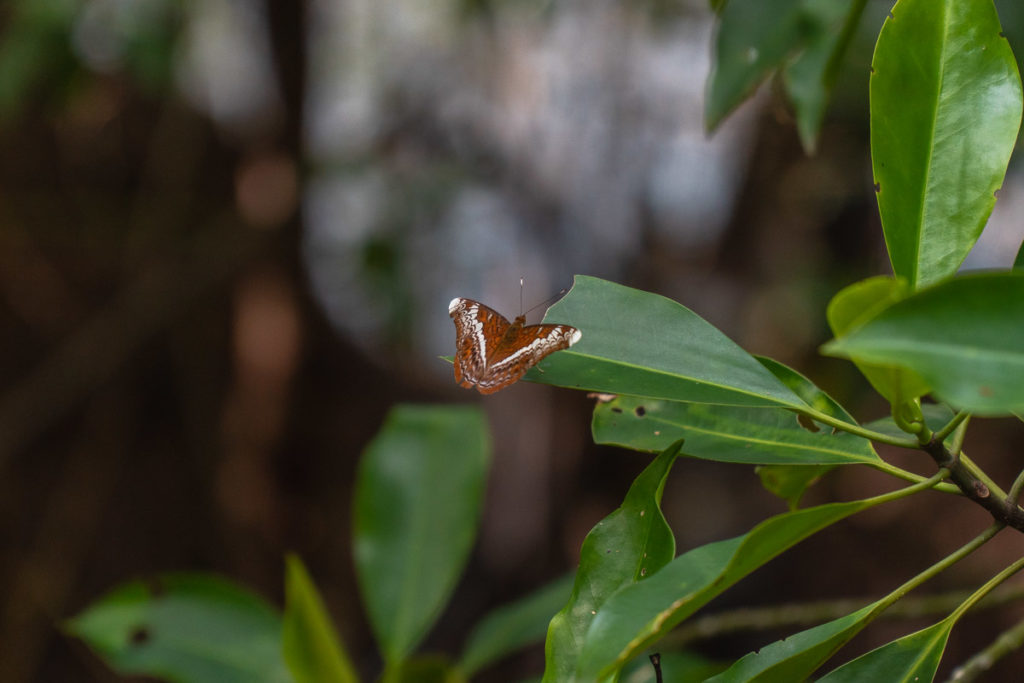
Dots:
pixel 492 353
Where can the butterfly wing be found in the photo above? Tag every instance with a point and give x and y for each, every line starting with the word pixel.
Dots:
pixel 477 328
pixel 520 349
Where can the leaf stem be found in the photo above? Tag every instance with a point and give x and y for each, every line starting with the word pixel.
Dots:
pixel 928 483
pixel 808 614
pixel 951 425
pixel 911 477
pixel 943 564
pixel 987 588
pixel 1018 483
pixel 1007 642
pixel 845 426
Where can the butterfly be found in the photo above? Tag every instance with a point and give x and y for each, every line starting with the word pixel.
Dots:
pixel 492 353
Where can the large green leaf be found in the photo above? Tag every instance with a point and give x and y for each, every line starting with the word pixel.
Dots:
pixel 514 626
pixel 417 503
pixel 755 436
pixel 910 659
pixel 858 303
pixel 945 110
pixel 809 79
pixel 625 548
pixel 643 344
pixel 962 336
pixel 754 38
pixel 185 627
pixel 638 615
pixel 311 647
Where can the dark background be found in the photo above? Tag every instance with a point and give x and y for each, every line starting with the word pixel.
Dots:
pixel 228 234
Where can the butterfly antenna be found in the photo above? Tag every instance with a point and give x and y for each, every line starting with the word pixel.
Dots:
pixel 546 301
pixel 521 297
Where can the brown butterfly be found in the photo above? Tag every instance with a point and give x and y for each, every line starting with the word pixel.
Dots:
pixel 492 353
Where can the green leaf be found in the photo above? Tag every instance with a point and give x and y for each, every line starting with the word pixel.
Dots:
pixel 514 626
pixel 1018 263
pixel 945 110
pixel 963 337
pixel 858 303
pixel 311 646
pixel 754 38
pixel 624 548
pixel 806 390
pixel 417 503
pixel 638 615
pixel 185 627
pixel 809 79
pixel 790 482
pixel 910 659
pixel 755 436
pixel 795 658
pixel 643 344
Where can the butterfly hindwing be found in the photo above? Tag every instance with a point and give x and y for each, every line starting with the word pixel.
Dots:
pixel 476 326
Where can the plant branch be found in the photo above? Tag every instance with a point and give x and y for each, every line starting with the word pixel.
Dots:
pixel 976 485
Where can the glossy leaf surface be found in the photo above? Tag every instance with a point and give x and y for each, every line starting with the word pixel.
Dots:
pixel 910 659
pixel 185 627
pixel 725 433
pixel 963 337
pixel 796 657
pixel 418 495
pixel 858 303
pixel 624 548
pixel 638 615
pixel 945 111
pixel 642 344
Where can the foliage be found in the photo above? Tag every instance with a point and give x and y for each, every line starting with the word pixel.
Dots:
pixel 940 147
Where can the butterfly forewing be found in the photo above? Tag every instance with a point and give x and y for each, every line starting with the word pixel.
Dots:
pixel 492 353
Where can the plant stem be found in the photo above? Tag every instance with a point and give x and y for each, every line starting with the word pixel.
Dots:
pixel 1014 495
pixel 945 563
pixel 987 588
pixel 951 425
pixel 845 426
pixel 913 478
pixel 1007 642
pixel 808 614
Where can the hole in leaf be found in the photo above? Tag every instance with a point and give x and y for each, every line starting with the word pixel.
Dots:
pixel 878 187
pixel 640 411
pixel 807 423
pixel 139 636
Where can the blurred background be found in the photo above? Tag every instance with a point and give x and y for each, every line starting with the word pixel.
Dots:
pixel 229 231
